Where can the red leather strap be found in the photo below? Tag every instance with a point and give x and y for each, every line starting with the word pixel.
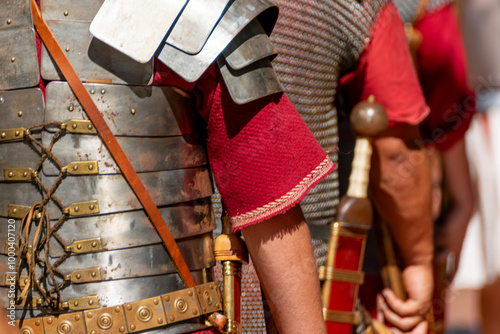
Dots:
pixel 111 143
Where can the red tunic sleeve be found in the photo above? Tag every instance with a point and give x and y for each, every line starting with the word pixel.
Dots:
pixel 263 157
pixel 441 65
pixel 386 71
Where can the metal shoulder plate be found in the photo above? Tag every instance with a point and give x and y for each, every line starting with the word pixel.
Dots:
pixel 193 35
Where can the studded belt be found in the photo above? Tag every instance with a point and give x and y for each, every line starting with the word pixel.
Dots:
pixel 132 317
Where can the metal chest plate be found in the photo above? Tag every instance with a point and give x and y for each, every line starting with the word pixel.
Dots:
pixel 238 15
pixel 128 27
pixel 18 193
pixel 21 108
pixel 68 10
pixel 128 110
pixel 114 194
pixel 15 13
pixel 149 154
pixel 18 58
pixel 91 58
pixel 16 155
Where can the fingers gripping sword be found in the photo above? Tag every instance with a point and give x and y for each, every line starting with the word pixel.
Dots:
pixel 342 273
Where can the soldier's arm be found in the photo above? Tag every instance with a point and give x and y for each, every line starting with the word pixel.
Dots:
pixel 401 189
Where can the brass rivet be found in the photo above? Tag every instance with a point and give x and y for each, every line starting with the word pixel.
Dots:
pixel 117 309
pixel 92 91
pixel 74 125
pixel 25 280
pixel 66 13
pixel 122 329
pixel 89 126
pixel 91 302
pixel 211 286
pixel 64 328
pixel 167 298
pixel 94 244
pixel 204 310
pixel 77 317
pixel 132 111
pixel 195 312
pixel 93 332
pixel 3 135
pixel 79 246
pixel 89 315
pixel 103 91
pixel 160 320
pixel 171 318
pixel 91 167
pixel 75 303
pixel 199 291
pixel 190 293
pixel 91 207
pixel 20 114
pixel 132 327
pixel 155 301
pixel 71 108
pixel 11 174
pixel 26 331
pixel 77 208
pixel 14 210
pixel 13 59
pixel 9 21
pixel 25 174
pixel 67 49
pixel 75 167
pixel 129 307
pixel 78 276
pixel 217 305
pixel 93 274
pixel 38 322
pixel 17 133
pixel 49 321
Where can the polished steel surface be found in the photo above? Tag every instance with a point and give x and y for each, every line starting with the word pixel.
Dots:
pixel 18 58
pixel 128 110
pixel 91 58
pixel 148 154
pixel 196 22
pixel 238 15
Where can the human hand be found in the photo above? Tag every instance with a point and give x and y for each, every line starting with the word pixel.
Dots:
pixel 408 316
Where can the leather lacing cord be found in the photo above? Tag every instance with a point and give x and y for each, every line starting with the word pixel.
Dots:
pixel 38 251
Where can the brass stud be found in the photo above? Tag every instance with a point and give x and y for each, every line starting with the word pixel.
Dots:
pixel 121 329
pixel 13 59
pixel 79 246
pixel 204 310
pixel 89 126
pixel 190 293
pixel 25 280
pixel 132 111
pixel 77 317
pixel 94 244
pixel 75 167
pixel 49 321
pixel 74 125
pixel 77 208
pixel 195 312
pixel 38 322
pixel 171 318
pixel 11 174
pixel 71 108
pixel 129 307
pixel 20 114
pixel 91 166
pixel 25 174
pixel 132 327
pixel 64 328
pixel 89 315
pixel 67 49
pixel 93 274
pixel 91 302
pixel 14 210
pixel 93 332
pixel 91 207
pixel 3 135
pixel 117 309
pixel 9 21
pixel 17 133
pixel 26 331
pixel 167 298
pixel 66 13
pixel 78 276
pixel 211 286
pixel 160 320
pixel 155 301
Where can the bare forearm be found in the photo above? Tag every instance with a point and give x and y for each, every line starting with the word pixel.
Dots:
pixel 282 253
pixel 401 188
